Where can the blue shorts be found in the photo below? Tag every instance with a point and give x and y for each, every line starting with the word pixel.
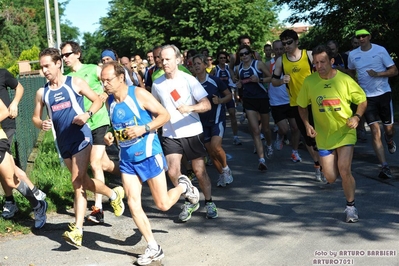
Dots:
pixel 214 130
pixel 324 153
pixel 145 169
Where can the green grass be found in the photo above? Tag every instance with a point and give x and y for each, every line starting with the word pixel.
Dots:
pixel 49 176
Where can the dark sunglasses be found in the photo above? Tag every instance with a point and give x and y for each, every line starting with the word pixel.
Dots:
pixel 244 53
pixel 361 36
pixel 66 55
pixel 287 43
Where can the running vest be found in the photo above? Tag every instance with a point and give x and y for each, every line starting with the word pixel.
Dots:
pixel 224 75
pixel 213 86
pixel 129 113
pixel 277 95
pixel 88 72
pixel 63 104
pixel 251 89
pixel 298 71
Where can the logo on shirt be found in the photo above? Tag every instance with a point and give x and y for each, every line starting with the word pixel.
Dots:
pixel 328 105
pixel 327 86
pixel 296 69
pixel 61 106
pixel 120 113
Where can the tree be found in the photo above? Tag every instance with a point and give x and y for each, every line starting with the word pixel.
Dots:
pixel 137 26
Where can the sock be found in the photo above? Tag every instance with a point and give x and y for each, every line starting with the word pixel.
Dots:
pixel 99 205
pixel 206 201
pixel 185 188
pixel 225 169
pixel 35 190
pixel 80 229
pixel 27 193
pixel 153 245
pixel 351 204
pixel 113 196
pixel 384 164
pixel 10 198
pixel 261 160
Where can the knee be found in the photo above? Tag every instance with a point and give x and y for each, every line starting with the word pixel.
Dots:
pixel 162 206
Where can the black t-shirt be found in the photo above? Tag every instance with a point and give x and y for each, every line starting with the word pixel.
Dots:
pixel 7 80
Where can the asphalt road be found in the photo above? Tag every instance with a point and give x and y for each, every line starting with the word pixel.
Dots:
pixel 280 217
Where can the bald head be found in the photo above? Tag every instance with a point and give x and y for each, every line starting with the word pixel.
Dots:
pixel 125 61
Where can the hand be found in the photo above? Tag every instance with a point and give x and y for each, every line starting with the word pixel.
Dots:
pixel 372 73
pixel 215 99
pixel 46 124
pixel 310 131
pixel 81 119
pixel 109 138
pixel 353 122
pixel 286 79
pixel 103 96
pixel 184 109
pixel 13 110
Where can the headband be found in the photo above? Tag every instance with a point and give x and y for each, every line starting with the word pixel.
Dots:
pixel 362 32
pixel 108 53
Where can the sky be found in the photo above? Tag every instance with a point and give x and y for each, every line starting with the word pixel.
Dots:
pixel 85 14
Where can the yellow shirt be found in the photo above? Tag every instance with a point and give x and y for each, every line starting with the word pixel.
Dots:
pixel 330 100
pixel 298 71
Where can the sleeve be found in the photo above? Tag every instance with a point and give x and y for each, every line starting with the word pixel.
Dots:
pixel 303 100
pixel 196 88
pixel 386 58
pixel 9 80
pixel 356 92
pixel 350 64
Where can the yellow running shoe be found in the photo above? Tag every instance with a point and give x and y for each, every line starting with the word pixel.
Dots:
pixel 117 204
pixel 74 237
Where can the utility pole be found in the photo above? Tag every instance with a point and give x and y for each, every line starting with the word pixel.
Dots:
pixel 50 40
pixel 57 23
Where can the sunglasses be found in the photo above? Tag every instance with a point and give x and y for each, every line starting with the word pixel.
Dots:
pixel 66 55
pixel 220 58
pixel 245 53
pixel 287 43
pixel 361 36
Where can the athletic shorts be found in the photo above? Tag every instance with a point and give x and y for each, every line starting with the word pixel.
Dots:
pixel 301 126
pixel 230 104
pixel 98 135
pixel 281 112
pixel 67 151
pixel 145 169
pixel 379 108
pixel 214 130
pixel 191 147
pixel 259 105
pixel 324 153
pixel 4 148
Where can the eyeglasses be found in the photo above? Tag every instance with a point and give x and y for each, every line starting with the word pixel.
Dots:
pixel 287 43
pixel 361 36
pixel 220 58
pixel 66 55
pixel 244 53
pixel 210 59
pixel 108 80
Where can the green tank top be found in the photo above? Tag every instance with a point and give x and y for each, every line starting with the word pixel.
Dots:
pixel 88 72
pixel 159 72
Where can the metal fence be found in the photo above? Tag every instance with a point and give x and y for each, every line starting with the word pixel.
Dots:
pixel 26 133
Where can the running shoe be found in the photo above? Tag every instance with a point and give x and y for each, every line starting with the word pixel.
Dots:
pixel 236 141
pixel 191 175
pixel 262 137
pixel 208 160
pixel 221 181
pixel 275 128
pixel 262 166
pixel 192 193
pixel 187 210
pixel 40 214
pixel 278 143
pixel 295 157
pixel 391 145
pixel 211 210
pixel 228 177
pixel 319 174
pixel 351 214
pixel 40 195
pixel 269 152
pixel 96 216
pixel 385 173
pixel 242 118
pixel 117 204
pixel 150 255
pixel 74 237
pixel 9 209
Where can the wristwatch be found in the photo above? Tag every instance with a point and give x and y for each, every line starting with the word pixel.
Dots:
pixel 90 113
pixel 147 128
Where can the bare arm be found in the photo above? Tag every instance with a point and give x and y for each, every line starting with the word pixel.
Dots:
pixel 266 72
pixel 3 111
pixel 390 72
pixel 202 106
pixel 353 121
pixel 278 70
pixel 310 131
pixel 13 107
pixel 38 111
pixel 227 97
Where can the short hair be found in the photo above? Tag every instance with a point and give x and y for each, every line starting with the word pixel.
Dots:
pixel 244 36
pixel 75 47
pixel 288 33
pixel 216 62
pixel 118 68
pixel 191 53
pixel 274 42
pixel 333 42
pixel 267 45
pixel 321 49
pixel 175 49
pixel 54 53
pixel 201 57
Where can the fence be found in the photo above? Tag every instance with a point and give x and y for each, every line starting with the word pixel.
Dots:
pixel 26 133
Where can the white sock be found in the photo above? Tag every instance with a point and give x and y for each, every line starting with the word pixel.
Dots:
pixel 153 245
pixel 225 169
pixel 113 196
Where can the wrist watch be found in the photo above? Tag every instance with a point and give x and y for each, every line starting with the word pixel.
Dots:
pixel 147 128
pixel 90 113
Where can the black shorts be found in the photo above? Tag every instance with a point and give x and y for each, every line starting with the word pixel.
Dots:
pixel 231 104
pixel 281 112
pixel 259 105
pixel 4 148
pixel 191 147
pixel 379 108
pixel 98 135
pixel 301 126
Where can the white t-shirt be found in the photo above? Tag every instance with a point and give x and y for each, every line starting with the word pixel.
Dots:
pixel 171 93
pixel 277 95
pixel 377 59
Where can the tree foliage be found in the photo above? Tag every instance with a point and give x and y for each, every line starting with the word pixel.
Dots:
pixel 133 26
pixel 338 19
